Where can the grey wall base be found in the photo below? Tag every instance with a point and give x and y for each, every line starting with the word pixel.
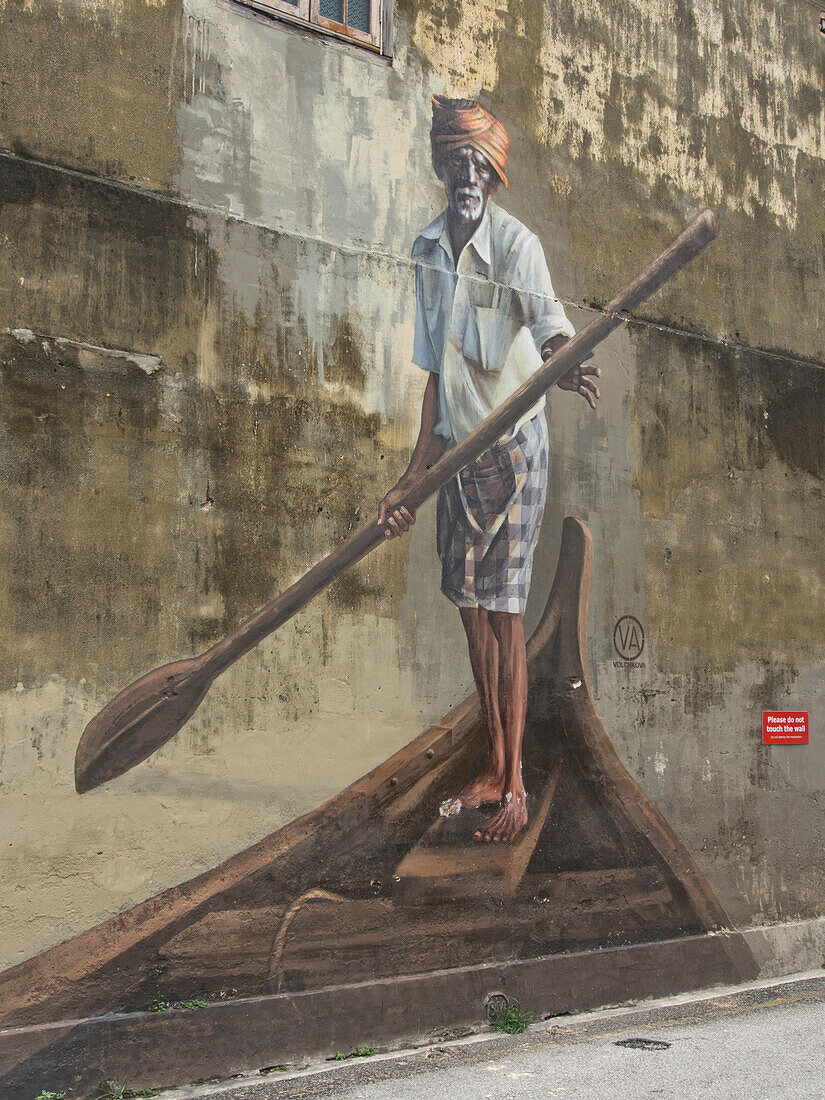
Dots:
pixel 148 1049
pixel 789 948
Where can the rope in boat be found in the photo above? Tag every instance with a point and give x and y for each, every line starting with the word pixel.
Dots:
pixel 277 949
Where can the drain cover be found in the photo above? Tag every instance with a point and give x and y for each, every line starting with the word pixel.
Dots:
pixel 495 1005
pixel 642 1044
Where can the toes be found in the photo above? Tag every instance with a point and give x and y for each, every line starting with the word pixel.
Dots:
pixel 485 834
pixel 503 828
pixel 497 827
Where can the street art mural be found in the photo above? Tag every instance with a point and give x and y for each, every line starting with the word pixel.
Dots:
pixel 509 830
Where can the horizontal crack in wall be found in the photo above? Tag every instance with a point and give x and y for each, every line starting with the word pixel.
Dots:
pixel 380 254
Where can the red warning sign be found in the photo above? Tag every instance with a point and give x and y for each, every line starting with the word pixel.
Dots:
pixel 784 727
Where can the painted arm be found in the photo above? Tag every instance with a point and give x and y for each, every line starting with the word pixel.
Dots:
pixel 428 449
pixel 544 316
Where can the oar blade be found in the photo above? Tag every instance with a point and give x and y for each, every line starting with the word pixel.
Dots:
pixel 138 721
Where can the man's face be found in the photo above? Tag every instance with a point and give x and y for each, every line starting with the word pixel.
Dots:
pixel 469 180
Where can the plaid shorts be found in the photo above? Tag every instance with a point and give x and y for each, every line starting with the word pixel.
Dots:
pixel 488 521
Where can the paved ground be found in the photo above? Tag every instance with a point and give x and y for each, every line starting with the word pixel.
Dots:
pixel 758 1042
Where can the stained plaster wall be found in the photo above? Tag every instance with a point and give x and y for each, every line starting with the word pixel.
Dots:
pixel 205 221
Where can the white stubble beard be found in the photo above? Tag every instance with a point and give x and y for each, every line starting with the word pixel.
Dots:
pixel 470 206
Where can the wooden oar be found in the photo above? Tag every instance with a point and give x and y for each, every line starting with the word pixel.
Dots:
pixel 150 711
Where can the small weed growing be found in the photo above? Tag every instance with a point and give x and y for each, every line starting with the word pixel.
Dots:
pixel 359 1052
pixel 46 1095
pixel 117 1090
pixel 511 1019
pixel 160 1005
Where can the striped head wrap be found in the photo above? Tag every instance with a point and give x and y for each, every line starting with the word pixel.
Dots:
pixel 459 122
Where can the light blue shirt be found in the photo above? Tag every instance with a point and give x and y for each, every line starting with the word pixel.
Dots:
pixel 470 319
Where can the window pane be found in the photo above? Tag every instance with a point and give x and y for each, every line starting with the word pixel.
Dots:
pixel 332 9
pixel 358 15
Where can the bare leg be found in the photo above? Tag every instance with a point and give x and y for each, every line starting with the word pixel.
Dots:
pixel 484 660
pixel 511 704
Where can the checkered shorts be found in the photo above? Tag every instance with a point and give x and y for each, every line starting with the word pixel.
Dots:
pixel 488 521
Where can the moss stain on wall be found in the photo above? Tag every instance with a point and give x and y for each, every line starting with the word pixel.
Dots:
pixel 640 119
pixel 206 494
pixel 89 83
pixel 725 458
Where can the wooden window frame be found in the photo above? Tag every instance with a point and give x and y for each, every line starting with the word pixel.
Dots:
pixel 305 13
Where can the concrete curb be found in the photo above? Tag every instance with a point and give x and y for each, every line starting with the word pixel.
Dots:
pixel 329 1079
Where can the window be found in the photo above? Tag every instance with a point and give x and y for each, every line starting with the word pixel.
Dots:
pixel 368 22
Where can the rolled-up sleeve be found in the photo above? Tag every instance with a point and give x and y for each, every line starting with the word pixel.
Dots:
pixel 542 312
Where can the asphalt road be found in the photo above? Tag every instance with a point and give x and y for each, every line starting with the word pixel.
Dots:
pixel 766 1042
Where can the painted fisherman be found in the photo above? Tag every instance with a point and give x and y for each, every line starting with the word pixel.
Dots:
pixel 486 318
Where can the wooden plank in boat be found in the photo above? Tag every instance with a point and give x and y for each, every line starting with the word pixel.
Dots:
pixel 448 864
pixel 331 942
pixel 334 940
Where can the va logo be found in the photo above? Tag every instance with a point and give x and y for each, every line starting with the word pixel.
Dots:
pixel 628 638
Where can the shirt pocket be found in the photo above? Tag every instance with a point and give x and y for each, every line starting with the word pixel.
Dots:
pixel 482 338
pixel 482 294
pixel 487 338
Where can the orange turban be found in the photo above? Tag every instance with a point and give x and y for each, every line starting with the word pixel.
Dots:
pixel 459 122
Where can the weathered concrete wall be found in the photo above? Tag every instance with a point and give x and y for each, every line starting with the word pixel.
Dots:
pixel 231 202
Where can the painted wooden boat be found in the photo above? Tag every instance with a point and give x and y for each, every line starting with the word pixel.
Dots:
pixel 375 884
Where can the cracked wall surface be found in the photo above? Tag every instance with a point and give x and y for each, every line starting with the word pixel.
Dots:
pixel 206 315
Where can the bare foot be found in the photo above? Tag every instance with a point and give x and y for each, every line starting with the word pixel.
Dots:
pixel 505 825
pixel 487 788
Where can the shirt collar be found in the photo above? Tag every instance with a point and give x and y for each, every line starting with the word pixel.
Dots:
pixel 433 231
pixel 480 240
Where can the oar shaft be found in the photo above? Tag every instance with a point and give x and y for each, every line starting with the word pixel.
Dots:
pixel 698 235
